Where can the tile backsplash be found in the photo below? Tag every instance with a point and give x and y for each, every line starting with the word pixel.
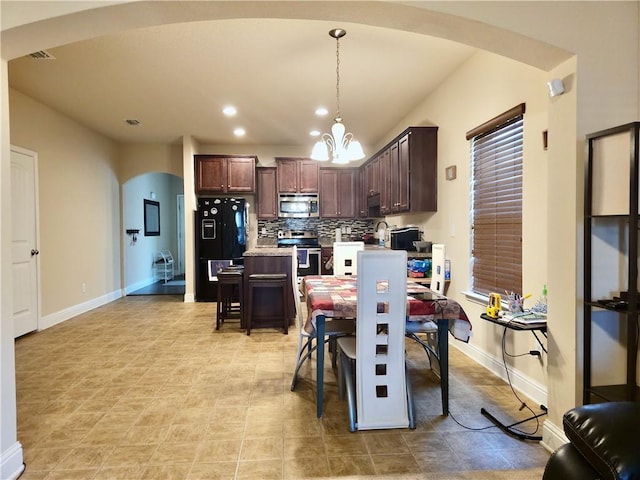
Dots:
pixel 325 227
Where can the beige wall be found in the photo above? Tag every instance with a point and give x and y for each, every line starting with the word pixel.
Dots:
pixel 136 159
pixel 483 87
pixel 79 206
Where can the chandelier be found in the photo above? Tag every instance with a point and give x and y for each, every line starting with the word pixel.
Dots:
pixel 339 146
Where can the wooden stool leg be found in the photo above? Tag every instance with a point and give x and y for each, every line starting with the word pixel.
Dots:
pixel 219 306
pixel 240 296
pixel 285 308
pixel 249 309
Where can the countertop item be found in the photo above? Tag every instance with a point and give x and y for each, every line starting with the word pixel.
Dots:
pixel 423 246
pixel 268 252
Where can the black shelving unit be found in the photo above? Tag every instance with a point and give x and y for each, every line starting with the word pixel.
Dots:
pixel 611 219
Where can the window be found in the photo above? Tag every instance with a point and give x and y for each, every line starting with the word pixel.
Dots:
pixel 496 203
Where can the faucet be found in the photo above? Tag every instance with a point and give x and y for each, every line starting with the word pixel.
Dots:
pixel 386 225
pixel 381 232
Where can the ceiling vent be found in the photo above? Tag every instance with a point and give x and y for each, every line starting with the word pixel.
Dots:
pixel 42 55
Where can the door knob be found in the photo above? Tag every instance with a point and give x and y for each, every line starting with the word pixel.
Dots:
pixel 34 252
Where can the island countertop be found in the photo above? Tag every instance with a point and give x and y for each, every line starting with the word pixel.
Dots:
pixel 268 252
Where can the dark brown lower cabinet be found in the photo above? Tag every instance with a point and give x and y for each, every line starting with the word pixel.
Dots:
pixel 263 302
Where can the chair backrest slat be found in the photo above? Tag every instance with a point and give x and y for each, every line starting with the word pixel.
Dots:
pixel 345 257
pixel 382 310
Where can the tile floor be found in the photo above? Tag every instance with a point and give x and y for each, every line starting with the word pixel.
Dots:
pixel 146 388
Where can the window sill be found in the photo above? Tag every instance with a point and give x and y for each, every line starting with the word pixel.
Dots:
pixel 476 298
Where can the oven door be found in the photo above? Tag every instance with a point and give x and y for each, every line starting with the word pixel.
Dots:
pixel 308 262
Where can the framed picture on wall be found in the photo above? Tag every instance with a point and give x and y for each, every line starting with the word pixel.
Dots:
pixel 151 218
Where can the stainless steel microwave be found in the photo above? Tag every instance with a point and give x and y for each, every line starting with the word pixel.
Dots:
pixel 296 205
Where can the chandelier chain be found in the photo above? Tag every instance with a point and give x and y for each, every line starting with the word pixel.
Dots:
pixel 338 77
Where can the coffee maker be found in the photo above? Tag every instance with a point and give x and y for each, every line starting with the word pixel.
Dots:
pixel 402 238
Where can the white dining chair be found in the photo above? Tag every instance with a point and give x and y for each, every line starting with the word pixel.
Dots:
pixel 372 365
pixel 345 260
pixel 426 333
pixel 305 339
pixel 306 344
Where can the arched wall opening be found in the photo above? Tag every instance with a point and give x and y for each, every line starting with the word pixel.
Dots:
pixel 140 251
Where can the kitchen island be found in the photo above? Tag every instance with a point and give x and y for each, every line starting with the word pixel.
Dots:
pixel 269 260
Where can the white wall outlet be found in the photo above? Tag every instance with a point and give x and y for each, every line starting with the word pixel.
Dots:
pixel 84 287
pixel 263 231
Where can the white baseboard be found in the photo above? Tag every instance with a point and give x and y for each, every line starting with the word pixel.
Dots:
pixel 11 462
pixel 58 317
pixel 138 285
pixel 189 298
pixel 553 437
pixel 523 383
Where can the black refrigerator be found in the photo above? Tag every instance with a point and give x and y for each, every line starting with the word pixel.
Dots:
pixel 221 239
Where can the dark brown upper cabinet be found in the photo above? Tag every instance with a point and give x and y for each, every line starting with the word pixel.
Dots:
pixel 404 172
pixel 338 196
pixel 297 175
pixel 225 174
pixel 267 195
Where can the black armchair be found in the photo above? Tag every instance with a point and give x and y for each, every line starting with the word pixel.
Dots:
pixel 604 444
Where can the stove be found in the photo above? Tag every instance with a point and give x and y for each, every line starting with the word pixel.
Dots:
pixel 309 252
pixel 299 238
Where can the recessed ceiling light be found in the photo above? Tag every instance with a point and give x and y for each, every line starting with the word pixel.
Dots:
pixel 132 121
pixel 239 132
pixel 314 133
pixel 229 110
pixel 321 111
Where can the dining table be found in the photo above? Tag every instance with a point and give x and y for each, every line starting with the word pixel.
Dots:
pixel 330 298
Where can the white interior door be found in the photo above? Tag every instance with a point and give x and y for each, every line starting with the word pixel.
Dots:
pixel 24 241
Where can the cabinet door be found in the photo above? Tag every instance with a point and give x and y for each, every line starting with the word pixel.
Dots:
pixel 374 183
pixel 287 175
pixel 402 181
pixel 241 175
pixel 393 177
pixel 211 174
pixel 267 198
pixel 346 194
pixel 328 193
pixel 308 174
pixel 422 154
pixel 366 184
pixel 362 193
pixel 385 182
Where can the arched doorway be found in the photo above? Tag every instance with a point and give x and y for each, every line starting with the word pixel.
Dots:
pixel 141 252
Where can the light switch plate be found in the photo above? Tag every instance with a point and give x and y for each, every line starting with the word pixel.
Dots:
pixel 451 172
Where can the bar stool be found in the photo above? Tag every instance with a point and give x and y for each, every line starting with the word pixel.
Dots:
pixel 230 282
pixel 272 281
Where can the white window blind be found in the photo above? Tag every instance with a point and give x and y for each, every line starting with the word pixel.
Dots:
pixel 496 210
